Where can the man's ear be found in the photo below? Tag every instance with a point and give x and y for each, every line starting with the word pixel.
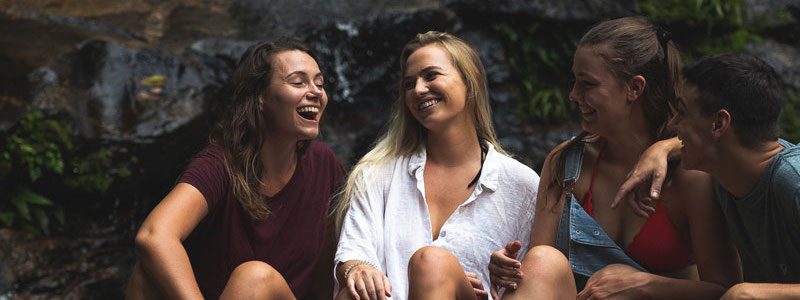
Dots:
pixel 721 122
pixel 636 87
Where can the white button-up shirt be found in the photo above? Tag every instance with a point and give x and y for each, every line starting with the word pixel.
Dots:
pixel 388 219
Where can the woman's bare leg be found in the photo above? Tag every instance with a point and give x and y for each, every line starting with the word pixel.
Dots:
pixel 546 275
pixel 256 280
pixel 434 273
pixel 140 286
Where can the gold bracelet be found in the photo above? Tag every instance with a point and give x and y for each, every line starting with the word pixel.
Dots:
pixel 357 263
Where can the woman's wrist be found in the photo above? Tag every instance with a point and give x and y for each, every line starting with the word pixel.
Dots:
pixel 352 265
pixel 670 148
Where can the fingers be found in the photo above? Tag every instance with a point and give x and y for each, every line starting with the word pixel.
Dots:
pixel 655 187
pixel 361 287
pixel 493 289
pixel 501 260
pixel 481 293
pixel 585 293
pixel 644 208
pixel 471 275
pixel 506 282
pixel 477 285
pixel 387 287
pixel 512 248
pixel 377 289
pixel 369 284
pixel 626 189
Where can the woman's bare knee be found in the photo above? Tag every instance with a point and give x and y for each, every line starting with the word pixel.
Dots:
pixel 256 280
pixel 546 275
pixel 432 262
pixel 546 261
pixel 434 273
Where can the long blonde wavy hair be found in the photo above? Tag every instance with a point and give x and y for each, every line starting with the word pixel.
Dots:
pixel 404 134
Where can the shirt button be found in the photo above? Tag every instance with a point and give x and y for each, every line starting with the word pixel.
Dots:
pixel 443 233
pixel 461 209
pixel 578 231
pixel 597 232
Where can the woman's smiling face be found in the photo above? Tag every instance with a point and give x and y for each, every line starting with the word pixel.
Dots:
pixel 434 90
pixel 295 99
pixel 597 91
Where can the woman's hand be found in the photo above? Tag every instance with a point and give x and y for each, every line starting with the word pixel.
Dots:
pixel 615 285
pixel 477 285
pixel 504 268
pixel 367 283
pixel 650 169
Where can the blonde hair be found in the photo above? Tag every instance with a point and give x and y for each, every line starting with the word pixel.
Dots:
pixel 404 134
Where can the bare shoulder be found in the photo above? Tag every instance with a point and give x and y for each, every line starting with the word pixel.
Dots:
pixel 693 188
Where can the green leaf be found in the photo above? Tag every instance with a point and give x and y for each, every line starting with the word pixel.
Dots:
pixel 22 207
pixel 7 218
pixel 34 198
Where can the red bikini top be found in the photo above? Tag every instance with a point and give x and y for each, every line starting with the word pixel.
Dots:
pixel 658 247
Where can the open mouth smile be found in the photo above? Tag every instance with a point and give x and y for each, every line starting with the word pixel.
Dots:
pixel 587 111
pixel 309 113
pixel 428 103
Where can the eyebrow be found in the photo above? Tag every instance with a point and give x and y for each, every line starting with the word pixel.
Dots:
pixel 303 73
pixel 425 70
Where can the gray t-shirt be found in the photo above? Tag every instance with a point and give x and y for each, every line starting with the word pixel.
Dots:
pixel 765 225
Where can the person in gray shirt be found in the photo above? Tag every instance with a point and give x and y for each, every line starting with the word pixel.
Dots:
pixel 727 126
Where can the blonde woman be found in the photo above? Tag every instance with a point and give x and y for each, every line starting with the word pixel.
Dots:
pixel 424 209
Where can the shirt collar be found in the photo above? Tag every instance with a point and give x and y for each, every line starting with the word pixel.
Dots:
pixel 489 173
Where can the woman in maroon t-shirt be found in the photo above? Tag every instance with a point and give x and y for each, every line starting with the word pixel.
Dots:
pixel 247 218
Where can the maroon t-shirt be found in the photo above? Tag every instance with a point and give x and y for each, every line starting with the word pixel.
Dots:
pixel 290 239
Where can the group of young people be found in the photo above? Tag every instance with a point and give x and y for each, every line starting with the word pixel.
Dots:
pixel 438 210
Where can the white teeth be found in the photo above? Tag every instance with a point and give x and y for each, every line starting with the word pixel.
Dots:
pixel 311 109
pixel 427 104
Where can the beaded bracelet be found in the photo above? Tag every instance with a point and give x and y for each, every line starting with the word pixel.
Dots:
pixel 357 263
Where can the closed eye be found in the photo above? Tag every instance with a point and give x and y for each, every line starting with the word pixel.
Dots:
pixel 430 76
pixel 408 84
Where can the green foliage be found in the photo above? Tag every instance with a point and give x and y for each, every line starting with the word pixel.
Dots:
pixel 706 26
pixel 39 156
pixel 91 172
pixel 541 60
pixel 37 145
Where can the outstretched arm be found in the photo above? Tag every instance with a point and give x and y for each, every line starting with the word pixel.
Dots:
pixel 650 169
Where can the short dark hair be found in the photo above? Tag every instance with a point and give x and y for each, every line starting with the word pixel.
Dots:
pixel 745 86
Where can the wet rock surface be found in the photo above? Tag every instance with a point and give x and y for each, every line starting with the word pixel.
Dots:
pixel 147 76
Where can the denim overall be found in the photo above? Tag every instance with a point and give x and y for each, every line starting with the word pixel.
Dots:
pixel 579 237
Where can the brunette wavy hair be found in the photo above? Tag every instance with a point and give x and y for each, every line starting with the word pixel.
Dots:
pixel 240 131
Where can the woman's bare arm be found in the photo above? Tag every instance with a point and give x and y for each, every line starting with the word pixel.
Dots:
pixel 158 242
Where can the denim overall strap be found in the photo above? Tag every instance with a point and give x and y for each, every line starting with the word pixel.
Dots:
pixel 585 244
pixel 572 169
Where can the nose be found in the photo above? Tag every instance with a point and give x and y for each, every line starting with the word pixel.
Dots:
pixel 420 87
pixel 315 92
pixel 574 94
